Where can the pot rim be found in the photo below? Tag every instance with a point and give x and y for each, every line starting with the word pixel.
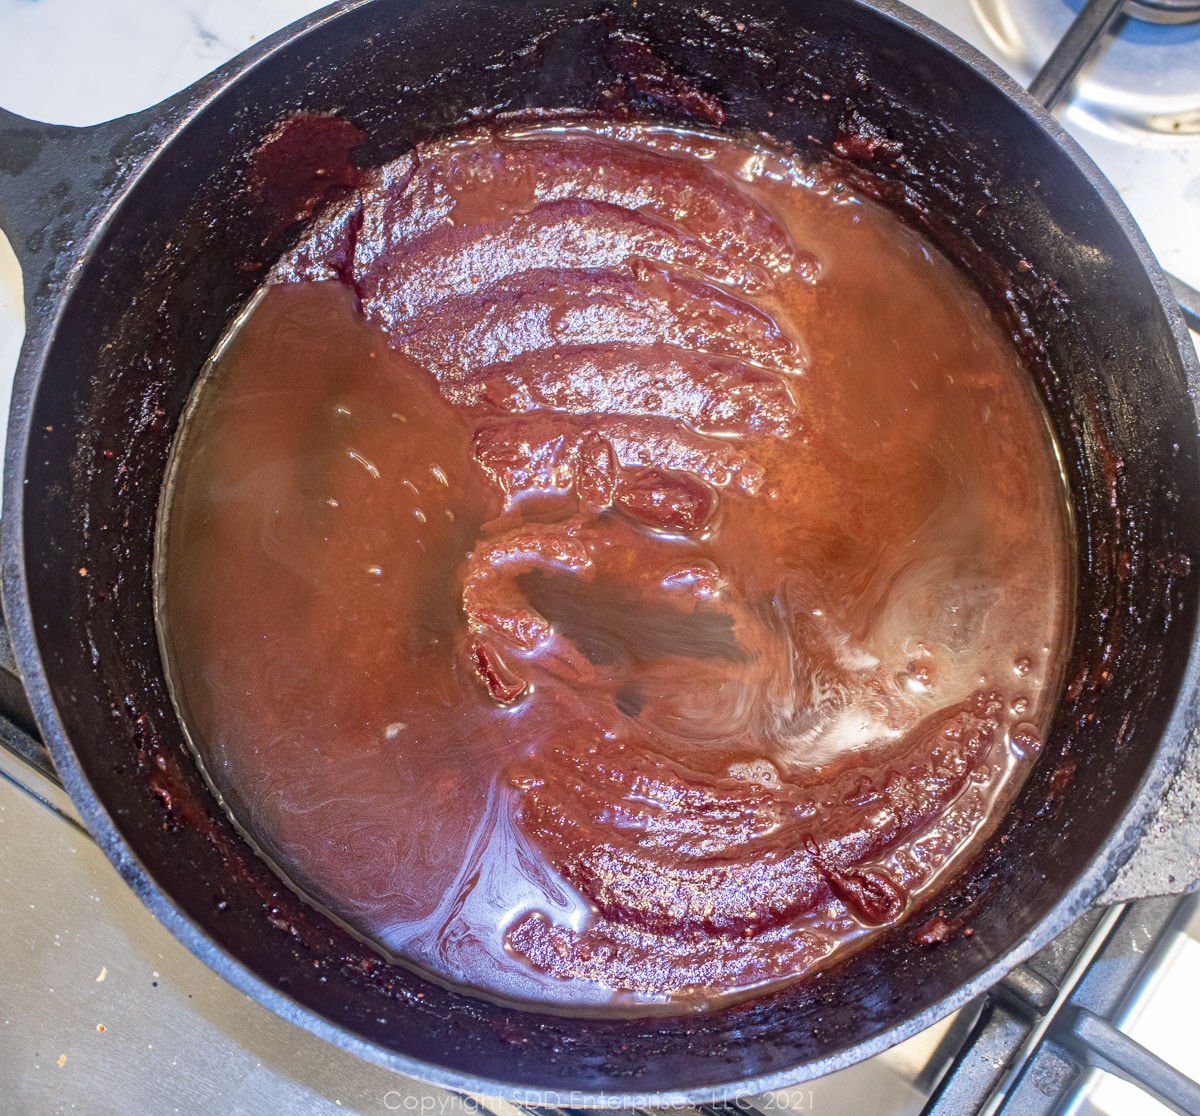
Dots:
pixel 177 115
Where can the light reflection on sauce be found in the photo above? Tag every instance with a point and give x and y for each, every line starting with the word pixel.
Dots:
pixel 631 592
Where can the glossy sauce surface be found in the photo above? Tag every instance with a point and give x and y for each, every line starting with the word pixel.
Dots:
pixel 614 567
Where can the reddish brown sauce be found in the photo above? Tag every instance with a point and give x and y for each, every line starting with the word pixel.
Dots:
pixel 614 567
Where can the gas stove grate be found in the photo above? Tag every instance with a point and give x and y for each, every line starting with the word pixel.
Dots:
pixel 1037 1033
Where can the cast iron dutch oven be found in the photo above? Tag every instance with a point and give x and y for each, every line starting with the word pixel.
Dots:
pixel 139 243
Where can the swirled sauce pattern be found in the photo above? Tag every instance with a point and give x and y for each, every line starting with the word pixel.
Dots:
pixel 614 566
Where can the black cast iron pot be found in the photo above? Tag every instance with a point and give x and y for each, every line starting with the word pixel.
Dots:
pixel 139 244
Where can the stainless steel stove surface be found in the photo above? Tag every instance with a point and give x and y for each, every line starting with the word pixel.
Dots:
pixel 101 1010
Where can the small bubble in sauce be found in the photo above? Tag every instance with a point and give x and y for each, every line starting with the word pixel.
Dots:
pixel 761 771
pixel 1024 740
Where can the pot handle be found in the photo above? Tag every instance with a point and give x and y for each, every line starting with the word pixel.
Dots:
pixel 1166 856
pixel 54 181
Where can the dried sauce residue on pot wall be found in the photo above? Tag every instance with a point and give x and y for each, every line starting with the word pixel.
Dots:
pixel 613 566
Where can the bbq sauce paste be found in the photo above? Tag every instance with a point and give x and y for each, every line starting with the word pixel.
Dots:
pixel 614 567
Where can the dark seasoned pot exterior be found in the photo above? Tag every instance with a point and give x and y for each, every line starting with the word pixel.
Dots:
pixel 139 255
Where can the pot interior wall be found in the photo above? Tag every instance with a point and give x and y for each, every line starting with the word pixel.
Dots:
pixel 182 255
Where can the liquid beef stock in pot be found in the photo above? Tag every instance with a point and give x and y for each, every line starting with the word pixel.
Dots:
pixel 614 567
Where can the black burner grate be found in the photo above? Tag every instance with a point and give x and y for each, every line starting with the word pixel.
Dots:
pixel 1090 31
pixel 1047 1023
